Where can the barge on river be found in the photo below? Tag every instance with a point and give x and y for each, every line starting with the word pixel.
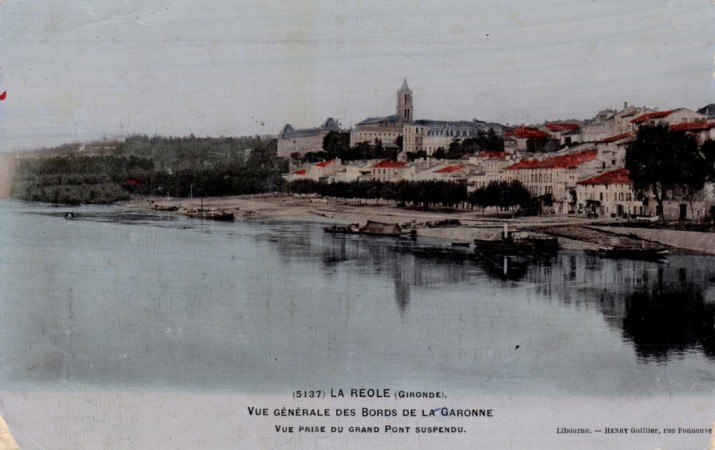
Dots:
pixel 222 216
pixel 517 244
pixel 373 228
pixel 651 254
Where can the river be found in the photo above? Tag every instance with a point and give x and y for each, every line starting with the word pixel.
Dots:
pixel 126 299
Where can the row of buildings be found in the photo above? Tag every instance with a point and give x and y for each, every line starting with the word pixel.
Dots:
pixel 578 165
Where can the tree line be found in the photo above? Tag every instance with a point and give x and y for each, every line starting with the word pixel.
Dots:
pixel 422 194
pixel 336 144
pixel 155 166
pixel 77 179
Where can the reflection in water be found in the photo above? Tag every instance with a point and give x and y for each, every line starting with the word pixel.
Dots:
pixel 669 319
pixel 187 304
pixel 401 260
pixel 659 308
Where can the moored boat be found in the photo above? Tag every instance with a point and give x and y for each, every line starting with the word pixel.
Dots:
pixel 630 253
pixel 513 244
pixel 374 229
pixel 504 246
pixel 210 215
pixel 342 229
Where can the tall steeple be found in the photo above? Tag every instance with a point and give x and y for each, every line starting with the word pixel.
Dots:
pixel 404 103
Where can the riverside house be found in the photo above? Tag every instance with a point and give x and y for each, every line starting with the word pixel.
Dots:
pixel 556 176
pixel 388 170
pixel 609 194
pixel 322 171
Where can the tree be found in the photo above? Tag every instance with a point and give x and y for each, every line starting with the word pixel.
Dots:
pixel 455 150
pixel 336 144
pixel 660 160
pixel 698 168
pixel 411 156
pixel 502 194
pixel 400 143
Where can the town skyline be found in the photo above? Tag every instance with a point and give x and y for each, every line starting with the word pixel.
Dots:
pixel 78 72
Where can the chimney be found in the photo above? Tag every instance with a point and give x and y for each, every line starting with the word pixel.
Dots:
pixel 625 105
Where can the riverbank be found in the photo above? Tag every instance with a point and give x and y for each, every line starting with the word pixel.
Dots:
pixel 573 232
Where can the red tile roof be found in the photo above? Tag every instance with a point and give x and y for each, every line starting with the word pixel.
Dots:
pixel 325 163
pixel 527 132
pixel 387 164
pixel 562 126
pixel 568 161
pixel 450 169
pixel 693 126
pixel 617 137
pixel 300 172
pixel 493 155
pixel 619 176
pixel 652 115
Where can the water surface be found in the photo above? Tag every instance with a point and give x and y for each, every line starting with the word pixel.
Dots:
pixel 118 298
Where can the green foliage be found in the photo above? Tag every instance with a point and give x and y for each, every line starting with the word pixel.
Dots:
pixel 77 179
pixel 163 166
pixel 99 193
pixel 425 194
pixel 411 156
pixel 502 194
pixel 314 157
pixel 260 171
pixel 187 153
pixel 336 144
pixel 484 141
pixel 662 161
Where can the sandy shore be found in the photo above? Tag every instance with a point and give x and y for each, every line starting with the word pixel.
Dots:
pixel 574 232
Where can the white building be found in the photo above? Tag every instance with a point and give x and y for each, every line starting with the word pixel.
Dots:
pixel 389 170
pixel 609 194
pixel 292 142
pixel 321 171
pixel 671 117
pixel 609 123
pixel 386 129
pixel 431 135
pixel 488 167
pixel 556 175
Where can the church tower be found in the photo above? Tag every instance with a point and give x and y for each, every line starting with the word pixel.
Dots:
pixel 404 103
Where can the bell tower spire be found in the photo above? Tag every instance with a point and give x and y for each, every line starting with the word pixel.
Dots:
pixel 404 103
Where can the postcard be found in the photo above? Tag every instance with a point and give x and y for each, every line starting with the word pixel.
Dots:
pixel 255 224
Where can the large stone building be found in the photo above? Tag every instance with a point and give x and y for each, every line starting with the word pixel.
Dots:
pixel 417 135
pixel 431 135
pixel 292 142
pixel 386 129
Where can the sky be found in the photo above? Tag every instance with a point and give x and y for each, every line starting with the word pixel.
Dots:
pixel 76 70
